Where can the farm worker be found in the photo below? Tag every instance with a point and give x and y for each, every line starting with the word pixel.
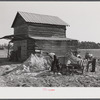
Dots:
pixel 93 64
pixel 75 53
pixel 55 63
pixel 52 55
pixel 79 56
pixel 68 63
pixel 52 60
pixel 88 57
pixel 91 56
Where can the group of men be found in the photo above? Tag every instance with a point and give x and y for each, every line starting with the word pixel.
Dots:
pixel 55 68
pixel 91 60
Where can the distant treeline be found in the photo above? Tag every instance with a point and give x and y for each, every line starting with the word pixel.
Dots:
pixel 88 45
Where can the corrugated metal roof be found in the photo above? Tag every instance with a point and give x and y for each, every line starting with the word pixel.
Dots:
pixel 50 38
pixel 43 19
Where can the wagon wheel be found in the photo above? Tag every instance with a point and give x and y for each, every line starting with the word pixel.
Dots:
pixel 79 68
pixel 63 70
pixel 70 69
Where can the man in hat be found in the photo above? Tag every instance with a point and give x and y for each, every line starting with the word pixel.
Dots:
pixel 55 64
pixel 93 64
pixel 38 52
pixel 88 56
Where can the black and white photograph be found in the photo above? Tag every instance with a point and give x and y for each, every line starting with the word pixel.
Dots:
pixel 49 44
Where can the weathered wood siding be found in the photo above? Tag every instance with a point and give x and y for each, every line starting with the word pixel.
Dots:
pixel 58 47
pixel 23 44
pixel 72 44
pixel 18 21
pixel 23 29
pixel 47 31
pixel 30 47
pixel 20 27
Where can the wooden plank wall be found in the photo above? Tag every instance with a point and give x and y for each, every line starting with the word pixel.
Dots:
pixel 18 21
pixel 23 44
pixel 58 47
pixel 23 29
pixel 44 31
pixel 30 47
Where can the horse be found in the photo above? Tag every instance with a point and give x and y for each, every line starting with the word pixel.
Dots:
pixel 76 63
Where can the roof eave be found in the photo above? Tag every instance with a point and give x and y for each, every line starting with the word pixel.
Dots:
pixel 48 24
pixel 52 39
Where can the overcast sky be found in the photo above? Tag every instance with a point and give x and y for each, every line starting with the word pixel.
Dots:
pixel 83 17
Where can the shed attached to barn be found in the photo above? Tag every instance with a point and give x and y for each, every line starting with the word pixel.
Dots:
pixel 44 32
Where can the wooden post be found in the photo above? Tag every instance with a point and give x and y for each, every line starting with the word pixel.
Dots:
pixel 8 48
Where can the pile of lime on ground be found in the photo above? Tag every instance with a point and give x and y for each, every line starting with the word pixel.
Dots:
pixel 31 74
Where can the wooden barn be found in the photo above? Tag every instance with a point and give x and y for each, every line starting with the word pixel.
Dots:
pixel 43 32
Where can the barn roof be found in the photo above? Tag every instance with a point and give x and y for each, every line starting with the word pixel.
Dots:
pixel 41 19
pixel 21 36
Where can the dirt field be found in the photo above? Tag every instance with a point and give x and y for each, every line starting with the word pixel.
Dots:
pixel 45 79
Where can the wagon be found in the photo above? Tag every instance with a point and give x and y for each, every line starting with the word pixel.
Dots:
pixel 76 65
pixel 71 69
